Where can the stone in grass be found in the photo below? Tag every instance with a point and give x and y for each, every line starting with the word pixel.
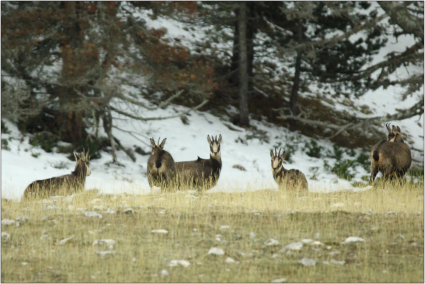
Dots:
pixel 106 242
pixel 224 227
pixel 292 246
pixel 22 219
pixel 7 222
pixel 50 207
pixel 164 272
pixel 353 240
pixel 5 236
pixel 105 253
pixel 270 243
pixel 308 262
pixel 280 280
pixel 216 251
pixel 306 241
pixel 180 262
pixel 92 214
pixel 64 241
pixel 159 231
pixel 128 210
pixel 229 260
pixel 109 211
pixel 338 262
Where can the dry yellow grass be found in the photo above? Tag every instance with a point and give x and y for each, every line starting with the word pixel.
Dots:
pixel 388 217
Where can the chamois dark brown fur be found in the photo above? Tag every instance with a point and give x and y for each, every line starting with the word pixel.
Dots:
pixel 292 179
pixel 202 173
pixel 161 166
pixel 392 157
pixel 65 184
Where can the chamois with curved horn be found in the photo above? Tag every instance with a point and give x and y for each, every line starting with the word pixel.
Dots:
pixel 161 166
pixel 202 173
pixel 394 134
pixel 293 179
pixel 65 184
pixel 392 157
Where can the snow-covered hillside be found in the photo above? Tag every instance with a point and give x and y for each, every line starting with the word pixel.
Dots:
pixel 21 166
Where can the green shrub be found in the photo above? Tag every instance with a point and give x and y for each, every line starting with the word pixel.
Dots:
pixel 46 140
pixel 313 149
pixel 5 145
pixel 4 128
pixel 35 155
pixel 363 160
pixel 342 169
pixel 337 153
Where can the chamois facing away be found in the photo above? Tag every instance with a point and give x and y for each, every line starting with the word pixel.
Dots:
pixel 394 134
pixel 202 174
pixel 161 166
pixel 392 157
pixel 66 184
pixel 291 179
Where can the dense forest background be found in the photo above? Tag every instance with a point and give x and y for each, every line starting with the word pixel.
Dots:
pixel 301 65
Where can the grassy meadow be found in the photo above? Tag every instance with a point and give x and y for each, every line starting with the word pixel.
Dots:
pixel 251 228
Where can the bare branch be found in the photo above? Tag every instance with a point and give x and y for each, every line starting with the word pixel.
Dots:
pixel 417 109
pixel 162 105
pixel 159 118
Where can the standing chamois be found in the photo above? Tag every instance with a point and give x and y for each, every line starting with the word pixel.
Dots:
pixel 392 157
pixel 161 166
pixel 202 173
pixel 292 179
pixel 63 184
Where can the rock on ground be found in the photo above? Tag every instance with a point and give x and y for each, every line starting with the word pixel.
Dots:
pixel 308 261
pixel 216 251
pixel 353 240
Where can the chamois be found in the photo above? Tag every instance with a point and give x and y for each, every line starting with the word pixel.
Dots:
pixel 394 135
pixel 293 179
pixel 161 166
pixel 202 173
pixel 392 157
pixel 67 183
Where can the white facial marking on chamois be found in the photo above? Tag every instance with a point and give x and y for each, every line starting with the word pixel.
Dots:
pixel 214 146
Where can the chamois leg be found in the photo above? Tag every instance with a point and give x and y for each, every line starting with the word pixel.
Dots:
pixel 374 171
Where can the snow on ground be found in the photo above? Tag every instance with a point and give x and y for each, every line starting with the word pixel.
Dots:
pixel 184 142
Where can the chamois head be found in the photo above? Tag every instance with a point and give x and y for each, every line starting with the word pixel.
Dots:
pixel 83 163
pixel 214 146
pixel 394 134
pixel 157 147
pixel 277 159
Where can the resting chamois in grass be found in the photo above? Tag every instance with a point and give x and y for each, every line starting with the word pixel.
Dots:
pixel 203 174
pixel 66 184
pixel 292 179
pixel 161 166
pixel 392 157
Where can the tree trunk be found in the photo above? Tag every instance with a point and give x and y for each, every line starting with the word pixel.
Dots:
pixel 250 42
pixel 243 66
pixel 235 54
pixel 71 124
pixel 296 84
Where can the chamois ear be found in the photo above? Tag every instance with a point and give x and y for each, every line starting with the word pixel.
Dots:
pixel 283 156
pixel 208 139
pixel 76 156
pixel 398 129
pixel 271 153
pixel 152 142
pixel 219 139
pixel 162 143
